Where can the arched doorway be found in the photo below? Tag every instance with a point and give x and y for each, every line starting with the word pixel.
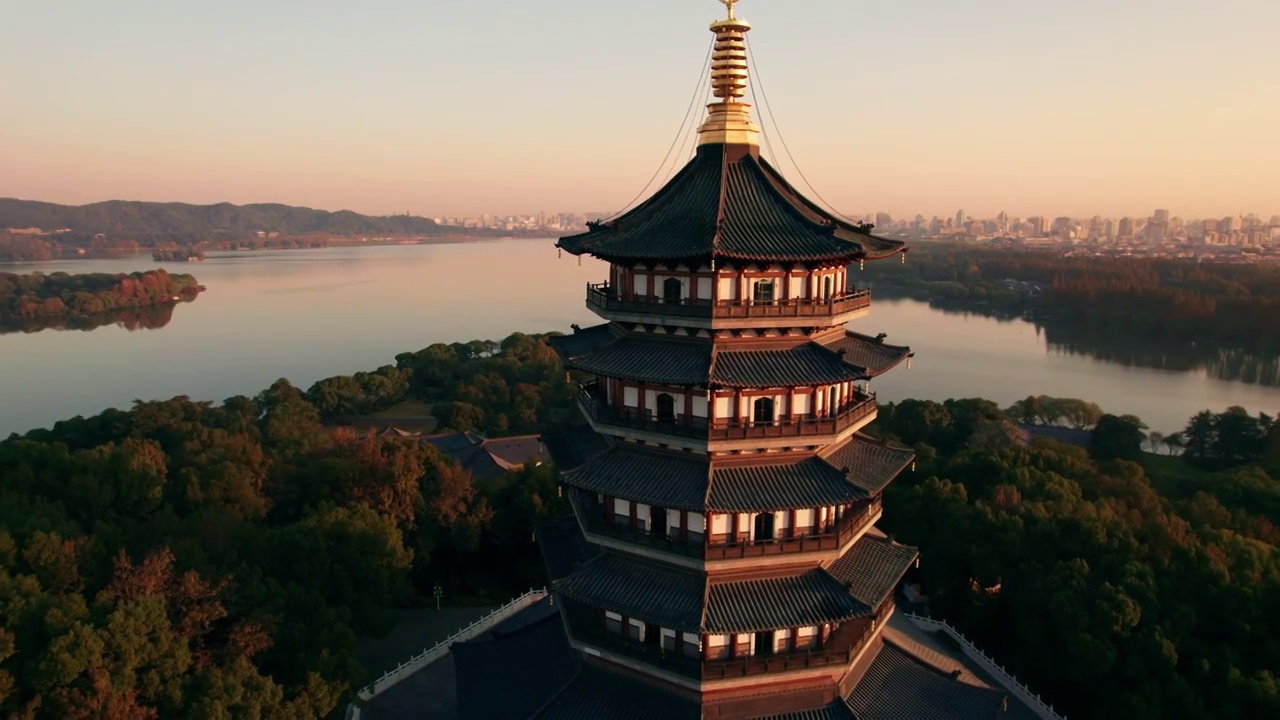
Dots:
pixel 762 411
pixel 763 529
pixel 672 290
pixel 658 522
pixel 666 408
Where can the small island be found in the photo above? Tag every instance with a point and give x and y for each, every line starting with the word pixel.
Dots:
pixel 61 299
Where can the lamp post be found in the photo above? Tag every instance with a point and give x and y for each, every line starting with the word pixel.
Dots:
pixel 438 593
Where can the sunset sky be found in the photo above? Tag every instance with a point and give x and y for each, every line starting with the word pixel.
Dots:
pixel 449 107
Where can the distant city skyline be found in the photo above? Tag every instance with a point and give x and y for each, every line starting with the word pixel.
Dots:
pixel 1080 109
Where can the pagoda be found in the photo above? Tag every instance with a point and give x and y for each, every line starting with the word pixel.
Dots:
pixel 723 559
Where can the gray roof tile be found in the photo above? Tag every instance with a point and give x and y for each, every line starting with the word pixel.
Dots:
pixel 872 568
pixel 609 351
pixel 897 686
pixel 871 465
pixel 810 363
pixel 596 694
pixel 872 355
pixel 811 598
pixel 805 484
pixel 861 468
pixel 654 478
pixel 656 360
pixel 764 219
pixel 638 588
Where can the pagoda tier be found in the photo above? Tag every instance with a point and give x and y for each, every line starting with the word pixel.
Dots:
pixel 728 204
pixel 856 470
pixel 698 625
pixel 665 359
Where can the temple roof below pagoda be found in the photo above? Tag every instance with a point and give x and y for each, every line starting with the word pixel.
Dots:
pixel 609 351
pixel 687 601
pixel 898 686
pixel 736 208
pixel 855 470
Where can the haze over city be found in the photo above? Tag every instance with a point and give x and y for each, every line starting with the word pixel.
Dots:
pixel 438 108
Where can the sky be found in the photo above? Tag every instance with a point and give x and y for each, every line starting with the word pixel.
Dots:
pixel 446 107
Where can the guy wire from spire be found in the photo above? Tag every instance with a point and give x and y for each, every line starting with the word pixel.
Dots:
pixel 691 132
pixel 706 67
pixel 751 58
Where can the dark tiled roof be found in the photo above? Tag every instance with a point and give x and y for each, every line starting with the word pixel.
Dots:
pixel 656 360
pixel 837 710
pixel 574 446
pixel 873 356
pixel 764 219
pixel 584 340
pixel 811 598
pixel 530 661
pixel 897 686
pixel 492 457
pixel 680 482
pixel 870 465
pixel 637 588
pixel 600 695
pixel 654 478
pixel 872 568
pixel 808 363
pixel 563 547
pixel 805 484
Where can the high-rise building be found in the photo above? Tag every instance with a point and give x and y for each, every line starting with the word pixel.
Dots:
pixel 1229 225
pixel 1126 228
pixel 1039 225
pixel 960 218
pixel 883 220
pixel 1161 216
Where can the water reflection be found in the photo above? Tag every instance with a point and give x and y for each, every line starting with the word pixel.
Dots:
pixel 151 317
pixel 1062 338
pixel 1216 361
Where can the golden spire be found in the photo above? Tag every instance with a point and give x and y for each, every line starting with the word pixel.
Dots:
pixel 729 121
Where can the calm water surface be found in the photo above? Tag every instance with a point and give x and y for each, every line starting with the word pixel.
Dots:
pixel 309 314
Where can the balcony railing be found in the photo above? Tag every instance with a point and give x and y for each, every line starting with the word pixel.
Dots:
pixel 603 297
pixel 860 408
pixel 835 537
pixel 596 407
pixel 853 522
pixel 840 649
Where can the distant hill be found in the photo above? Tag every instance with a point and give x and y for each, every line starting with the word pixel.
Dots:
pixel 141 221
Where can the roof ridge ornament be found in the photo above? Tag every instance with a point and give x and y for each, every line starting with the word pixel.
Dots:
pixel 729 119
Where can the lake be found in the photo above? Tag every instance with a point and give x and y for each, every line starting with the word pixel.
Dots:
pixel 309 314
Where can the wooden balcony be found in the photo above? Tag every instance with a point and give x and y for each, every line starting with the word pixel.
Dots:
pixel 861 407
pixel 603 298
pixel 839 650
pixel 844 644
pixel 595 518
pixel 594 405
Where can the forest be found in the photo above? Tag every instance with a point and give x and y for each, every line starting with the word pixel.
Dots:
pixel 35 296
pixel 193 559
pixel 105 226
pixel 1233 304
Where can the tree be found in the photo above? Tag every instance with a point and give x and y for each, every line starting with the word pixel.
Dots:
pixel 1116 438
pixel 1154 438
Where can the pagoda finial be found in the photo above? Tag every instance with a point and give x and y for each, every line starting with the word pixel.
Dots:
pixel 729 120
